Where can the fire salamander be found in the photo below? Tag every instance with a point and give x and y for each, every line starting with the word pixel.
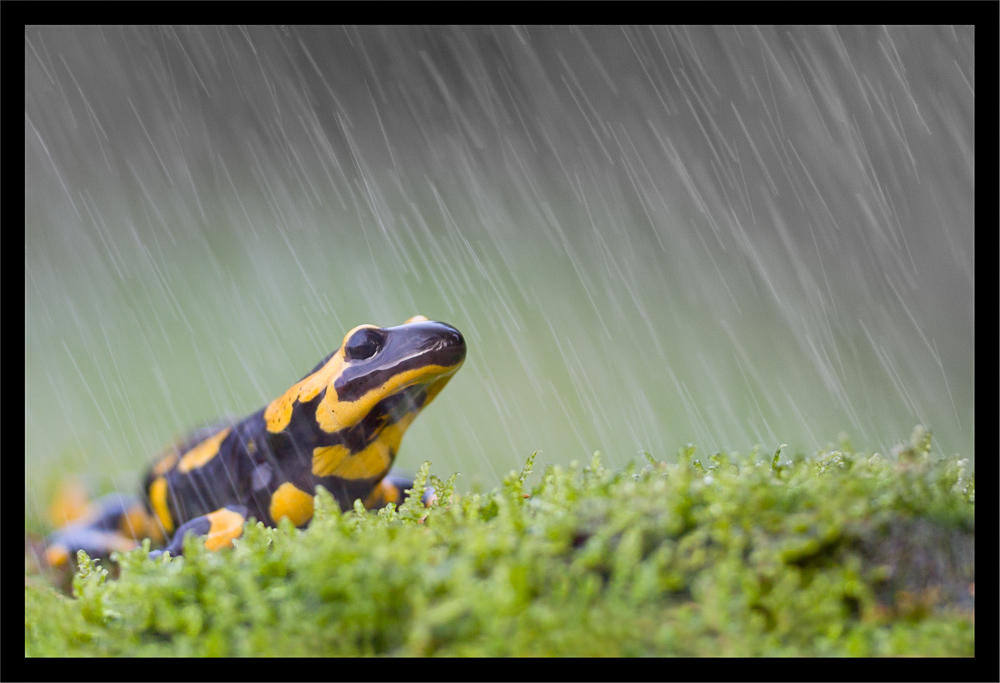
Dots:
pixel 339 427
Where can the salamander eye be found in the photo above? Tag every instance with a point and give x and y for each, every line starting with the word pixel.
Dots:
pixel 363 344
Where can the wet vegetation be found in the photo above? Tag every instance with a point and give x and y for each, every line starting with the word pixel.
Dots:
pixel 834 553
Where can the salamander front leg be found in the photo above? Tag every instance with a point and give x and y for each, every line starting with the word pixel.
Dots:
pixel 218 528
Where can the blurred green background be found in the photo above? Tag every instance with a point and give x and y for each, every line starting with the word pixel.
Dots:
pixel 649 237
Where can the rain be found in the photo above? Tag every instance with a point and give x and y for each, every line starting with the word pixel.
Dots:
pixel 649 237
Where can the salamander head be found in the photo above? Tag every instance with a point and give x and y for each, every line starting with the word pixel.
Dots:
pixel 364 396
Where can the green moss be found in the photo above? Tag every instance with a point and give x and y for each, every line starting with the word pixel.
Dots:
pixel 839 553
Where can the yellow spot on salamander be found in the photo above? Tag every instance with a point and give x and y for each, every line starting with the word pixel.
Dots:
pixel 279 413
pixel 57 556
pixel 69 504
pixel 158 498
pixel 225 526
pixel 165 464
pixel 371 462
pixel 292 502
pixel 137 524
pixel 203 452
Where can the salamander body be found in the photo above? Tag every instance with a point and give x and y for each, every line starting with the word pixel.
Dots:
pixel 340 427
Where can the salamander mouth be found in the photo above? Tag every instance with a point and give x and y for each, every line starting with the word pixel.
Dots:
pixel 412 399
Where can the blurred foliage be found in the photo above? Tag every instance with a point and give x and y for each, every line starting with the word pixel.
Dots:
pixel 838 553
